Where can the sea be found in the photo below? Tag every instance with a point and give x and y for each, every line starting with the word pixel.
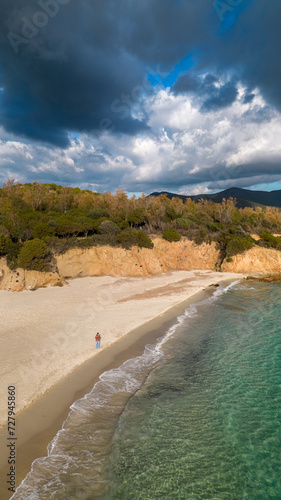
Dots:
pixel 196 416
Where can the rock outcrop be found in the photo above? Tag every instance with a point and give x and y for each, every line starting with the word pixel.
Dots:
pixel 255 260
pixel 272 278
pixel 184 254
pixel 20 279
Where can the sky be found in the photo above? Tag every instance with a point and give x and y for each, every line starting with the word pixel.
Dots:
pixel 172 95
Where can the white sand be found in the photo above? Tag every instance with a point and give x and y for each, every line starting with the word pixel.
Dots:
pixel 47 333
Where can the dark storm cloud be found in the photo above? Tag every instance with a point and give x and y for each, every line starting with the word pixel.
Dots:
pixel 248 49
pixel 81 66
pixel 85 68
pixel 221 98
pixel 214 95
pixel 191 82
pixel 230 176
pixel 216 178
pixel 69 73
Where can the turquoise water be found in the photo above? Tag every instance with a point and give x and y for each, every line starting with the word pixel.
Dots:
pixel 196 417
pixel 206 425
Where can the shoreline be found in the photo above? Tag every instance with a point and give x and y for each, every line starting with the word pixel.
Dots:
pixel 49 410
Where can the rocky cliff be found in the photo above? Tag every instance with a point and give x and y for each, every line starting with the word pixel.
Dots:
pixel 255 260
pixel 111 261
pixel 20 279
pixel 184 254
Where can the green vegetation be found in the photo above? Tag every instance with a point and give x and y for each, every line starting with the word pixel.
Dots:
pixel 271 241
pixel 34 255
pixel 38 221
pixel 129 238
pixel 237 245
pixel 171 235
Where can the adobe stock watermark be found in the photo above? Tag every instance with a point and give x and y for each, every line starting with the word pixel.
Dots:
pixel 223 7
pixel 31 27
pixel 126 103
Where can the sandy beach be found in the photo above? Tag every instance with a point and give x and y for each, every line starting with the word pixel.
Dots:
pixel 47 342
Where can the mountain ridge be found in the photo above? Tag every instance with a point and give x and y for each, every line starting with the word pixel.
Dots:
pixel 244 197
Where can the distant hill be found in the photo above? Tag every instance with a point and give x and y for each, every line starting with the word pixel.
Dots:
pixel 244 197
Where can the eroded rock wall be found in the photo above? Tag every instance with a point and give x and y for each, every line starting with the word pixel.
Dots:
pixel 111 261
pixel 20 279
pixel 255 260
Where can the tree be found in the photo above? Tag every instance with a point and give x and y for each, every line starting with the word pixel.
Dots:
pixel 67 227
pixel 65 199
pixel 137 217
pixel 42 230
pixel 5 244
pixel 35 195
pixel 108 227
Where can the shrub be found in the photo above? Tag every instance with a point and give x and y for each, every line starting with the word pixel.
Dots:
pixel 199 236
pixel 231 229
pixel 144 240
pixel 122 223
pixel 179 224
pixel 238 245
pixel 35 255
pixel 271 241
pixel 60 245
pixel 266 223
pixel 108 227
pixel 54 224
pixel 171 235
pixel 105 239
pixel 98 213
pixel 134 237
pixel 43 230
pixel 10 249
pixel 5 244
pixel 171 214
pixel 126 239
pixel 12 255
pixel 85 243
pixel 214 226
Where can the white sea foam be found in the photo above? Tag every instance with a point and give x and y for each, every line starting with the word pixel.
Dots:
pixel 243 287
pixel 192 312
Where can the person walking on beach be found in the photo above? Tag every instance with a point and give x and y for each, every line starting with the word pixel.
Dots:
pixel 98 338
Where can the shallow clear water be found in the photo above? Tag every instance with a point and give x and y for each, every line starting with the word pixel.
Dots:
pixel 196 417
